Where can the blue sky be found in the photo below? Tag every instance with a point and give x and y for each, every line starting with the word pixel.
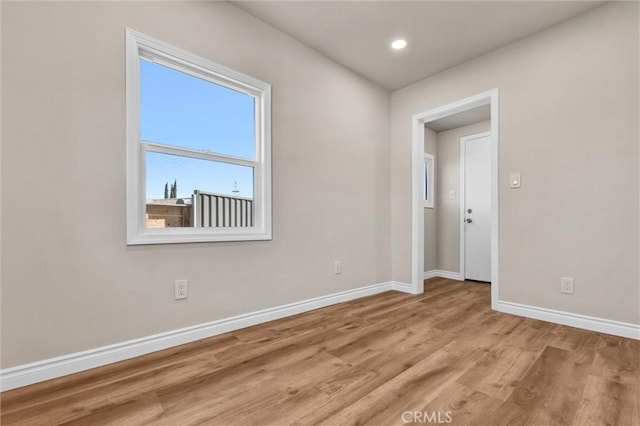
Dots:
pixel 181 110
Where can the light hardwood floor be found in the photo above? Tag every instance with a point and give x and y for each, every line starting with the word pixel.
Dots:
pixel 381 360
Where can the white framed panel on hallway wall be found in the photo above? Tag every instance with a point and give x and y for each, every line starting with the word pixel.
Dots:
pixel 417 206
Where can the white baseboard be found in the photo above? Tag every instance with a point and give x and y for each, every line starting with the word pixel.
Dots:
pixel 602 325
pixel 23 375
pixel 443 274
pixel 403 287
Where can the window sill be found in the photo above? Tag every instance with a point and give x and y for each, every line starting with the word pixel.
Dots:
pixel 185 236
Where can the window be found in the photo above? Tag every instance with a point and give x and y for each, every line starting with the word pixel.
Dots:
pixel 198 148
pixel 428 179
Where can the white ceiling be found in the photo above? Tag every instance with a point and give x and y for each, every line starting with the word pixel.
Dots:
pixel 464 118
pixel 441 34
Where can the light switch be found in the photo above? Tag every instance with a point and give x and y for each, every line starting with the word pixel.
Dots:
pixel 452 194
pixel 514 180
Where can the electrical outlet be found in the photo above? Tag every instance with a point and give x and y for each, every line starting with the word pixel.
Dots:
pixel 337 267
pixel 566 285
pixel 181 289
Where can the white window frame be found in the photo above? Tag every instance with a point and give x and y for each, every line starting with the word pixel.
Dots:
pixel 430 162
pixel 139 45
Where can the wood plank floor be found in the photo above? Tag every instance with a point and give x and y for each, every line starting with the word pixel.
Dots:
pixel 388 359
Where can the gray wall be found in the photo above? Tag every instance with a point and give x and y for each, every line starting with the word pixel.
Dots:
pixel 69 282
pixel 569 121
pixel 448 223
pixel 431 215
pixel 341 181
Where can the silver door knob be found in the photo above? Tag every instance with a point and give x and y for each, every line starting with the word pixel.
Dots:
pixel 469 220
pixel 469 211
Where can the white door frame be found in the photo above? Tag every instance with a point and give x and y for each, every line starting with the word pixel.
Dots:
pixel 417 206
pixel 462 194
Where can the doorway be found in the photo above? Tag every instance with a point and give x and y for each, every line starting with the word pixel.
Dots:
pixel 418 239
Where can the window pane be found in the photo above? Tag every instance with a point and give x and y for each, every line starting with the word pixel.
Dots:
pixel 189 192
pixel 426 180
pixel 181 110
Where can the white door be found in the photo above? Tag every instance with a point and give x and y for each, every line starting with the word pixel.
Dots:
pixel 477 208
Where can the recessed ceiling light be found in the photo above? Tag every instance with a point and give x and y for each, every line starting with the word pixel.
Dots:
pixel 399 44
